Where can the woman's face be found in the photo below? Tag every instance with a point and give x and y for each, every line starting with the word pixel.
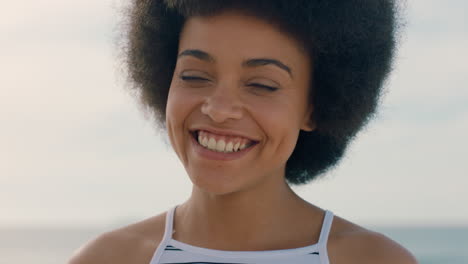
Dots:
pixel 237 101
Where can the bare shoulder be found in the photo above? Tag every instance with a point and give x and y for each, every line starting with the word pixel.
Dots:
pixel 135 243
pixel 349 243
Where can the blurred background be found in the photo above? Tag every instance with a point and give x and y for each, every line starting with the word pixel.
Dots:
pixel 77 156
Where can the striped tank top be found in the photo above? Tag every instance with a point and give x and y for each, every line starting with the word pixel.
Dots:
pixel 171 251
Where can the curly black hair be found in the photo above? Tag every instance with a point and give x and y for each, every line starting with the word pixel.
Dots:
pixel 351 44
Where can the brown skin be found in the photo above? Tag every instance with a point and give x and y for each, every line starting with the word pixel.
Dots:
pixel 347 244
pixel 248 195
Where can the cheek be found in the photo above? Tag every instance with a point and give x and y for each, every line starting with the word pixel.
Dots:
pixel 281 114
pixel 177 111
pixel 280 123
pixel 172 111
pixel 181 104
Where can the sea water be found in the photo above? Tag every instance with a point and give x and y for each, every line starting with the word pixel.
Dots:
pixel 430 245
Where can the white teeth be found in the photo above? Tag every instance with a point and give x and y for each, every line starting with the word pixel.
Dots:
pixel 242 146
pixel 229 147
pixel 236 147
pixel 220 145
pixel 204 142
pixel 212 144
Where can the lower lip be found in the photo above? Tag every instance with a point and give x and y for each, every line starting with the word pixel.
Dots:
pixel 214 155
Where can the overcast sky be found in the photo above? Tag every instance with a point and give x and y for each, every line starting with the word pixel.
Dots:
pixel 75 149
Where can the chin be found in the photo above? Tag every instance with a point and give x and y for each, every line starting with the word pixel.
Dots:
pixel 218 184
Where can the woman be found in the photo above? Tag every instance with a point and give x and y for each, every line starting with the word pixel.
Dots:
pixel 255 96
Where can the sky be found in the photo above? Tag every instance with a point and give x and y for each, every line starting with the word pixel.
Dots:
pixel 75 149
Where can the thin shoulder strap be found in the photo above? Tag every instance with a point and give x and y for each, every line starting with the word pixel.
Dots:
pixel 326 226
pixel 166 238
pixel 169 224
pixel 323 239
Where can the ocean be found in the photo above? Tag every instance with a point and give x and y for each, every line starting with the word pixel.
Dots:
pixel 430 245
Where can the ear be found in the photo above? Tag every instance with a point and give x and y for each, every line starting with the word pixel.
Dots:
pixel 308 124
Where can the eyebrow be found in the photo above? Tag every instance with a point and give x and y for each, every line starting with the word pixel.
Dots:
pixel 256 62
pixel 197 54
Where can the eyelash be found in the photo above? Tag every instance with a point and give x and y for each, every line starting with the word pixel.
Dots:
pixel 269 88
pixel 195 78
pixel 192 78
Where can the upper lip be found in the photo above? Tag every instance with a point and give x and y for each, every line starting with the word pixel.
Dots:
pixel 223 132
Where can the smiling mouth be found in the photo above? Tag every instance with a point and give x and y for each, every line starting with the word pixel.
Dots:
pixel 221 143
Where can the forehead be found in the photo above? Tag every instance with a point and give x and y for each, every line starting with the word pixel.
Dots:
pixel 234 35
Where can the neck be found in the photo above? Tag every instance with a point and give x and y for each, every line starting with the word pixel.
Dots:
pixel 237 219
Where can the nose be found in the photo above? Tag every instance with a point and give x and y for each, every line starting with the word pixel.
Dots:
pixel 222 105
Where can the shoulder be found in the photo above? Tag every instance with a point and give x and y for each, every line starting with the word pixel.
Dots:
pixel 135 243
pixel 350 243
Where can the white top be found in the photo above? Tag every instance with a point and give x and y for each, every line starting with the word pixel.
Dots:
pixel 171 251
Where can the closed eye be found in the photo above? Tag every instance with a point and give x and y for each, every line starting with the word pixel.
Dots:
pixel 266 87
pixel 257 85
pixel 192 78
